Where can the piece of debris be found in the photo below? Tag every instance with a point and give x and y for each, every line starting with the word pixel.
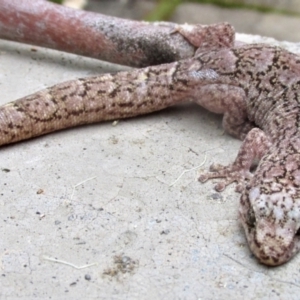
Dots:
pixel 122 264
pixel 40 191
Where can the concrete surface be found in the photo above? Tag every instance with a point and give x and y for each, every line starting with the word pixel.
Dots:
pixel 99 197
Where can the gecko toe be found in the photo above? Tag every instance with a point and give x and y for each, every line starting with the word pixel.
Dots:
pixel 220 186
pixel 230 174
pixel 203 177
pixel 240 187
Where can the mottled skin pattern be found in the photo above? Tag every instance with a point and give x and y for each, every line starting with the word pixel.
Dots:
pixel 255 85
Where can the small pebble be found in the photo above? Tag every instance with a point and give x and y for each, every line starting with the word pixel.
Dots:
pixel 87 277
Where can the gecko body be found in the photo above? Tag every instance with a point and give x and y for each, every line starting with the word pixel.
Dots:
pixel 255 87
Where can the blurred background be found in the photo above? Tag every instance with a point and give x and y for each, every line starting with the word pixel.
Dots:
pixel 274 18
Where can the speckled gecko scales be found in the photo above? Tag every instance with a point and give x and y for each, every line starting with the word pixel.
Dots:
pixel 251 85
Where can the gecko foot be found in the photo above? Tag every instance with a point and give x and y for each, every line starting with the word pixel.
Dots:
pixel 255 145
pixel 231 173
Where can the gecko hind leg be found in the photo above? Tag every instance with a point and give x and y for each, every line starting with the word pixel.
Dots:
pixel 255 145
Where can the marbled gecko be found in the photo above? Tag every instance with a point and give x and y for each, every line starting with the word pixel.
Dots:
pixel 256 87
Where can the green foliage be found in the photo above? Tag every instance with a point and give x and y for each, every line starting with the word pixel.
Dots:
pixel 163 10
pixel 56 1
pixel 242 4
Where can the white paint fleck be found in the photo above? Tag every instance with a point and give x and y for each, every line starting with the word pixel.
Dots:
pixel 204 74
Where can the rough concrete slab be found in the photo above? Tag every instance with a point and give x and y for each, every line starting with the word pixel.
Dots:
pixel 100 196
pixel 290 5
